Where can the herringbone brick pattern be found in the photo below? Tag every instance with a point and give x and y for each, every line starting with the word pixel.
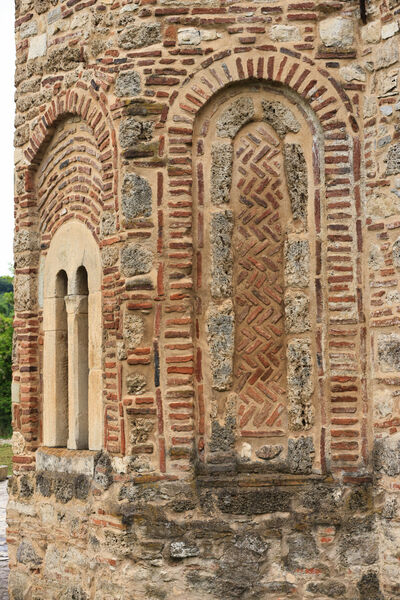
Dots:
pixel 260 371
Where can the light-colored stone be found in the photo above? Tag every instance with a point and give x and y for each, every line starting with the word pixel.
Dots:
pixel 371 33
pixel 285 33
pixel 221 172
pixel 297 263
pixel 37 46
pixel 353 72
pixel 387 54
pixel 220 337
pixel 337 32
pixel 389 30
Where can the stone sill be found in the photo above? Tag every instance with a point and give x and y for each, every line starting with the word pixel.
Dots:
pixel 62 460
pixel 260 480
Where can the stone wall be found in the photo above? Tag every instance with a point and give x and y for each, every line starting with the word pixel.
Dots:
pixel 236 167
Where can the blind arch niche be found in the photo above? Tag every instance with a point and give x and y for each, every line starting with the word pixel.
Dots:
pixel 74 252
pixel 257 169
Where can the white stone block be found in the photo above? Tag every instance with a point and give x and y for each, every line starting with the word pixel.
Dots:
pixel 37 46
pixel 337 32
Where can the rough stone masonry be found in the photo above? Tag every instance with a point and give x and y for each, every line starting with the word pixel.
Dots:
pixel 206 368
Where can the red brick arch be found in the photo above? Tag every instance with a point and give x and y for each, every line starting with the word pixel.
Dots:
pixel 337 218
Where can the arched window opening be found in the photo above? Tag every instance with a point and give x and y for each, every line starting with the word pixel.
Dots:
pixel 56 356
pixel 78 358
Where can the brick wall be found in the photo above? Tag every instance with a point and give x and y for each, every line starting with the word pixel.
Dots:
pixel 237 164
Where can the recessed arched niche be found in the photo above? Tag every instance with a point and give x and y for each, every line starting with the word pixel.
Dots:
pixel 256 165
pixel 72 356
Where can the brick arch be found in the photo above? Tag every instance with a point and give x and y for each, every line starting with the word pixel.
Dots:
pixel 93 110
pixel 279 65
pixel 337 210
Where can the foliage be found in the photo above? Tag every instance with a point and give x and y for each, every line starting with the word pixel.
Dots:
pixel 6 456
pixel 6 337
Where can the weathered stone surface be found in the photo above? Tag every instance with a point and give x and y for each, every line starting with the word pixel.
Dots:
pixel 369 587
pixel 136 384
pixel 223 436
pixel 387 54
pixel 26 240
pixel 109 256
pixel 136 197
pixel 133 330
pixel 41 6
pixel 393 160
pixel 221 254
pixel 240 112
pixel 140 36
pixel 337 32
pixel 128 84
pixel 353 72
pixel 297 313
pixel 269 452
pixel 135 260
pixel 63 59
pixel 220 337
pixel 21 136
pixel 132 131
pixel 300 386
pixel 221 173
pixel 285 33
pixel 183 549
pixel 25 292
pixel 254 502
pixel 297 263
pixel 37 46
pixel 389 352
pixel 358 544
pixel 27 555
pixel 332 589
pixel 300 455
pixel 376 259
pixel 387 455
pixel 279 117
pixel 297 180
pixel 108 226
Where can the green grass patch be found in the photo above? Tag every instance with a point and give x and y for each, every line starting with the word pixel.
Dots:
pixel 6 456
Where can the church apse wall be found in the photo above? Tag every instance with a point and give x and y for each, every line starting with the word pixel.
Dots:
pixel 205 369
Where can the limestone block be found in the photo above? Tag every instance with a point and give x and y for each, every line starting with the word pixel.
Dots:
pixel 300 456
pixel 297 313
pixel 27 555
pixel 303 552
pixel 18 443
pixel 240 112
pixel 63 58
pixel 37 46
pixel 95 409
pixel 389 352
pixel 269 452
pixel 389 30
pixel 221 172
pixel 300 386
pixel 396 253
pixel 221 254
pixel 25 292
pixel 109 256
pixel 190 36
pixel 387 455
pixel 337 32
pixel 136 384
pixel 353 72
pixel 136 197
pixel 133 330
pixel 21 136
pixel 297 180
pixel 136 260
pixel 393 160
pixel 297 263
pixel 82 462
pixel 285 33
pixel 279 117
pixel 132 131
pixel 371 32
pixel 28 30
pixel 220 337
pixel 26 240
pixel 357 544
pixel 375 258
pixel 182 549
pixel 387 54
pixel 128 84
pixel 108 226
pixel 140 36
pixel 41 6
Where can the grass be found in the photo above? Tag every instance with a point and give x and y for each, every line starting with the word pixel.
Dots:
pixel 6 456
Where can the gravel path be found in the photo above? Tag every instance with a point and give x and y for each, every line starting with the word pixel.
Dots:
pixel 3 545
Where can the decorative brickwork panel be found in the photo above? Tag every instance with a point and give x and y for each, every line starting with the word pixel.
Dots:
pixel 260 357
